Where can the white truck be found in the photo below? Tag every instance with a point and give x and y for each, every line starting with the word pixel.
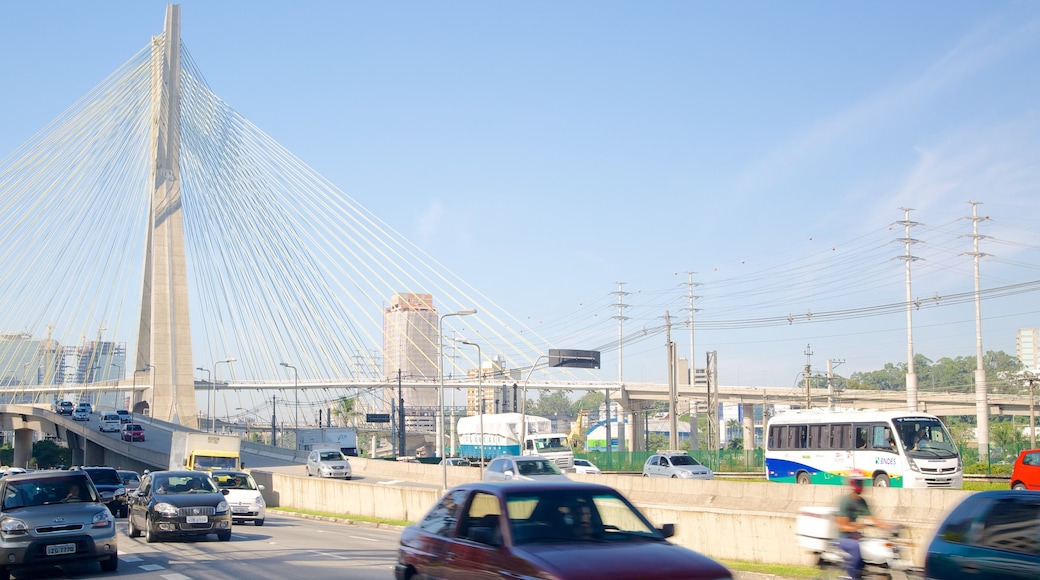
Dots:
pixel 342 438
pixel 205 451
pixel 502 436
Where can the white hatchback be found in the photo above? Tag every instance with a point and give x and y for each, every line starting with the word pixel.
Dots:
pixel 585 466
pixel 243 496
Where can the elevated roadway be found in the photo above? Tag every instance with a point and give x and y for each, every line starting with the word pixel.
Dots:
pixel 90 446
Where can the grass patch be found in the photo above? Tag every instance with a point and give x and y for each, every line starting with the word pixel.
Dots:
pixel 985 485
pixel 780 570
pixel 341 517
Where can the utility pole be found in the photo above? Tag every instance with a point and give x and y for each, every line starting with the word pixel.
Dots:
pixel 830 382
pixel 673 403
pixel 808 377
pixel 274 422
pixel 911 376
pixel 981 391
pixel 621 318
pixel 689 323
pixel 400 417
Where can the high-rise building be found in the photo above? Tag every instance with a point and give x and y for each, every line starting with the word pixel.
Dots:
pixel 1026 343
pixel 410 345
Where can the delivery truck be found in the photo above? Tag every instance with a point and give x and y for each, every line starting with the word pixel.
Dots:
pixel 502 436
pixel 205 451
pixel 342 438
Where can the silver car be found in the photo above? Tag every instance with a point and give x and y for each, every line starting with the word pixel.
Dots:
pixel 54 517
pixel 675 464
pixel 523 468
pixel 328 463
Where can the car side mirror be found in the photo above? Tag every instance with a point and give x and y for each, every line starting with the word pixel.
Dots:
pixel 508 474
pixel 225 491
pixel 667 530
pixel 260 486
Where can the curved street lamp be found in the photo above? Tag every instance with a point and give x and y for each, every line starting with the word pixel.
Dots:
pixel 439 451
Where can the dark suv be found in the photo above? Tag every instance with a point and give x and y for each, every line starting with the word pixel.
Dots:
pixel 990 534
pixel 110 485
pixel 48 518
pixel 63 407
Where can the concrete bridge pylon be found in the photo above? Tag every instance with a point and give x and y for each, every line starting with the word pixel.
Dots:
pixel 164 331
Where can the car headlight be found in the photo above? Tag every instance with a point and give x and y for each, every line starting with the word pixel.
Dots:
pixel 222 507
pixel 102 519
pixel 259 501
pixel 120 491
pixel 685 474
pixel 165 509
pixel 13 526
pixel 913 464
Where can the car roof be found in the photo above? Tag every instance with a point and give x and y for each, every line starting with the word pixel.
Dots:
pixel 497 487
pixel 230 472
pixel 45 474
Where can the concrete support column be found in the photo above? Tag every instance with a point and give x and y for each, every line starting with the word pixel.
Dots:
pixel 75 443
pixel 638 430
pixel 23 444
pixel 748 412
pixel 93 454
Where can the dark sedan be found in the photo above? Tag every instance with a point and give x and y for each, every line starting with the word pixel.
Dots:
pixel 565 531
pixel 179 503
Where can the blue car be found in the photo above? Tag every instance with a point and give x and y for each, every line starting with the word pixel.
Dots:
pixel 991 534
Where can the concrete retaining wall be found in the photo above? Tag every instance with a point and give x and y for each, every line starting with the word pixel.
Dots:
pixel 749 521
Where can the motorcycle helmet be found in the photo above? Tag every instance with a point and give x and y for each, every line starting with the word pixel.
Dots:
pixel 856 480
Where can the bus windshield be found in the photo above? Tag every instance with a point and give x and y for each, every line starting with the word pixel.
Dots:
pixel 924 437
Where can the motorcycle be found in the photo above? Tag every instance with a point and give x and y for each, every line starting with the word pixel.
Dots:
pixel 886 554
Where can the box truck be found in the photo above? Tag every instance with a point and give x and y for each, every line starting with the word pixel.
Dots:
pixel 204 451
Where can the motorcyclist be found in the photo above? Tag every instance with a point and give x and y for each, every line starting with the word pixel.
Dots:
pixel 853 515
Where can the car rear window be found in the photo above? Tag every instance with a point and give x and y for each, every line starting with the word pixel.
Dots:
pixel 104 476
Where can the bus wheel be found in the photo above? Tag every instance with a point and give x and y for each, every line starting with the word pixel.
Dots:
pixel 803 478
pixel 881 480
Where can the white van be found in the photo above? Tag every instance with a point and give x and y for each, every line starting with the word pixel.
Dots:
pixel 109 422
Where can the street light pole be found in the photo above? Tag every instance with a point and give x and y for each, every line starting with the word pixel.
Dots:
pixel 439 451
pixel 480 395
pixel 133 393
pixel 213 386
pixel 523 406
pixel 296 384
pixel 439 448
pixel 209 379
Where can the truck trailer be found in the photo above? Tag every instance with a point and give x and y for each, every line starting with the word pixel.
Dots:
pixel 502 436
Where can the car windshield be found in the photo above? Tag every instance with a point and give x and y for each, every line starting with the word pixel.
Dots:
pixel 551 444
pixel 177 484
pixel 131 477
pixel 48 491
pixel 537 467
pixel 683 460
pixel 330 456
pixel 569 516
pixel 234 481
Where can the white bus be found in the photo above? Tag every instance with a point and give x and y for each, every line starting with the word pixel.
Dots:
pixel 892 448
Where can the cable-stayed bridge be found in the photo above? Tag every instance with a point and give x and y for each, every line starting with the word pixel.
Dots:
pixel 163 241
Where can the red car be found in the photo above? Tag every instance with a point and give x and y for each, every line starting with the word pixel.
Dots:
pixel 132 432
pixel 1026 474
pixel 559 530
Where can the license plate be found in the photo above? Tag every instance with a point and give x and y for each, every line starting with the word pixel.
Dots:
pixel 197 519
pixel 240 510
pixel 58 549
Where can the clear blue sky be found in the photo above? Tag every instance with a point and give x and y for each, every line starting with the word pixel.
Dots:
pixel 545 151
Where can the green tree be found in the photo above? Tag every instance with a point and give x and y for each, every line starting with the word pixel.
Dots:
pixel 1007 436
pixel 655 441
pixel 346 411
pixel 551 403
pixel 590 401
pixel 48 454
